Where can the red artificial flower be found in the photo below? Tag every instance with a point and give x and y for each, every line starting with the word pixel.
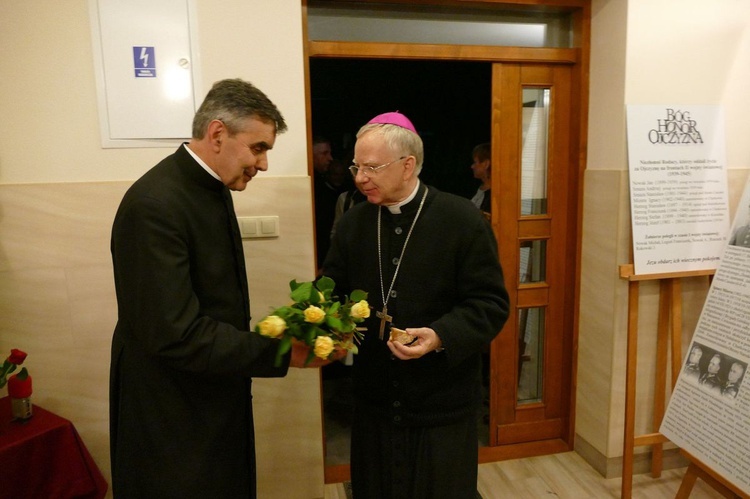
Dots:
pixel 16 356
pixel 9 365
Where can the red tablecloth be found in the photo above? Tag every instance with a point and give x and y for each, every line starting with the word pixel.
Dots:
pixel 45 458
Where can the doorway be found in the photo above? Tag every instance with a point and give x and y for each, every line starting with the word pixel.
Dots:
pixel 450 104
pixel 448 101
pixel 531 105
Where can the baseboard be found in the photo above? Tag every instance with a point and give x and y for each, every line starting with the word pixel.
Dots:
pixel 612 467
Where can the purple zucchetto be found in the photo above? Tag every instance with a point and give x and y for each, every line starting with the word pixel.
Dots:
pixel 394 118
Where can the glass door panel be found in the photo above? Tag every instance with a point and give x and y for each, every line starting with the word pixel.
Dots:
pixel 531 355
pixel 532 261
pixel 464 25
pixel 534 140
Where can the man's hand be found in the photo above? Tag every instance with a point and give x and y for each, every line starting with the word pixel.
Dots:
pixel 300 352
pixel 427 341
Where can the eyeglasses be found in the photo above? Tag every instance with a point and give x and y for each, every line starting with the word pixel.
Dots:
pixel 371 170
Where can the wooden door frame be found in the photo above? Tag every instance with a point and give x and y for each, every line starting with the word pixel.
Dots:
pixel 547 420
pixel 578 58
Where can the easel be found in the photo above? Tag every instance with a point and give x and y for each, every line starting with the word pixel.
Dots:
pixel 697 470
pixel 669 330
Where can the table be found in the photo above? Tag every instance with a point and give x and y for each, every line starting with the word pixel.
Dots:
pixel 45 458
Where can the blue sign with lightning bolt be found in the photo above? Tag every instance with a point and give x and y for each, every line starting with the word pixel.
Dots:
pixel 144 62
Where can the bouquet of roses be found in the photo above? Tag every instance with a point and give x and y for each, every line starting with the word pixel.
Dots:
pixel 317 318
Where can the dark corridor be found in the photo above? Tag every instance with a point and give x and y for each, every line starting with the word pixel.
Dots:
pixel 448 102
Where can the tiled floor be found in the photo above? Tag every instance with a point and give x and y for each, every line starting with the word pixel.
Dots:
pixel 564 475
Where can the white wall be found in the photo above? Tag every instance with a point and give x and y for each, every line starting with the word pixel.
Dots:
pixel 645 52
pixel 696 52
pixel 59 191
pixel 48 94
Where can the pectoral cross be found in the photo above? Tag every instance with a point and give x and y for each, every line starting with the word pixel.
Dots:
pixel 384 317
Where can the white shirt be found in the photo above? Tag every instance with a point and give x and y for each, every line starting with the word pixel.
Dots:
pixel 200 162
pixel 478 198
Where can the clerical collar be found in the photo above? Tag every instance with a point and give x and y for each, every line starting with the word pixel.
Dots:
pixel 202 163
pixel 395 209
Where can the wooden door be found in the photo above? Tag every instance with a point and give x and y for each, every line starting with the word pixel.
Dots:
pixel 534 218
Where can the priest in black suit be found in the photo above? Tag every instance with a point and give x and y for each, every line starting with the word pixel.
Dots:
pixel 181 421
pixel 429 261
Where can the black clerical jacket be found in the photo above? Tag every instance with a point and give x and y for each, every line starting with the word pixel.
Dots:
pixel 182 354
pixel 449 280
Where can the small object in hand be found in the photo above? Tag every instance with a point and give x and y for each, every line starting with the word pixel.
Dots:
pixel 401 336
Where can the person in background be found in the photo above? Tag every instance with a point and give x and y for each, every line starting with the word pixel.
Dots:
pixel 482 199
pixel 336 181
pixel 482 170
pixel 181 419
pixel 326 173
pixel 322 156
pixel 345 201
pixel 429 262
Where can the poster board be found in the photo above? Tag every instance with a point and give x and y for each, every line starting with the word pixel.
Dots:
pixel 678 187
pixel 709 411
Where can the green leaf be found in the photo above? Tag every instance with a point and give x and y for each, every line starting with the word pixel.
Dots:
pixel 285 345
pixel 335 323
pixel 295 314
pixel 310 356
pixel 295 331
pixel 304 292
pixel 358 295
pixel 5 369
pixel 277 360
pixel 310 335
pixel 284 312
pixel 23 374
pixel 325 284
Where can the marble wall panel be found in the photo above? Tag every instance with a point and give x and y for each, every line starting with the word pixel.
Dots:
pixel 600 406
pixel 57 302
pixel 598 288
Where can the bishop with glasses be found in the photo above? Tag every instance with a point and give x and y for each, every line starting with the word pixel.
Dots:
pixel 429 261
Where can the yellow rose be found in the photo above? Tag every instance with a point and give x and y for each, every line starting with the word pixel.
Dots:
pixel 323 346
pixel 314 314
pixel 361 310
pixel 272 326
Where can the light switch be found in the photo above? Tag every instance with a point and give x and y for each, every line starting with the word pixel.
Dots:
pixel 248 227
pixel 268 226
pixel 255 227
